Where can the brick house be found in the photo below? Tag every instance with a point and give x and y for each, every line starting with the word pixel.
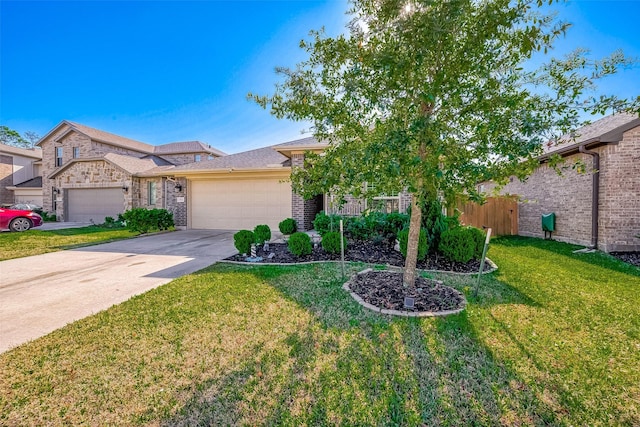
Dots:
pixel 598 208
pixel 20 175
pixel 89 174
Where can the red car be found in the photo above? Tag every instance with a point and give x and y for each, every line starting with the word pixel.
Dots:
pixel 18 220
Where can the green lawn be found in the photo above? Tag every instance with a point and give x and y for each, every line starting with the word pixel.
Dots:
pixel 552 339
pixel 36 242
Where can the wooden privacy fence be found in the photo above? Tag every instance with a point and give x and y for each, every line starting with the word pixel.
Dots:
pixel 498 213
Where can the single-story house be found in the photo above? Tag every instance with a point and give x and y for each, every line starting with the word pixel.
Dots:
pixel 597 207
pixel 20 179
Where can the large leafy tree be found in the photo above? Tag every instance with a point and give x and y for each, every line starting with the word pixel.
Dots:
pixel 435 96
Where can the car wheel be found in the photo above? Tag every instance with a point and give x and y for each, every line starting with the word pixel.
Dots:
pixel 20 224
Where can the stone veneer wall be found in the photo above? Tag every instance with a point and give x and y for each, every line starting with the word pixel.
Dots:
pixel 183 159
pixel 93 174
pixel 6 179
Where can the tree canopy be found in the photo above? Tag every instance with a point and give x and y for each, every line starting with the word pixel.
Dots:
pixel 436 96
pixel 11 137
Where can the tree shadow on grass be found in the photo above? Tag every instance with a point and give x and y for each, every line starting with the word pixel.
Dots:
pixel 350 366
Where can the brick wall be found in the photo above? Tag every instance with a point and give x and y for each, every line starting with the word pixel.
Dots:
pixel 6 179
pixel 177 201
pixel 569 197
pixel 620 194
pixel 182 159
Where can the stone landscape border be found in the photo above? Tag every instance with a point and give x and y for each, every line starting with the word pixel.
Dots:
pixel 402 313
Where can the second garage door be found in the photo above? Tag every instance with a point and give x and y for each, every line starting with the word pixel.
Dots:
pixel 93 204
pixel 239 204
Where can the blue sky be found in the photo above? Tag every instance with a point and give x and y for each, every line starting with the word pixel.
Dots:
pixel 162 71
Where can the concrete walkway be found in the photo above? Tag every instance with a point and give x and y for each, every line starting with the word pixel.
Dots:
pixel 60 225
pixel 42 293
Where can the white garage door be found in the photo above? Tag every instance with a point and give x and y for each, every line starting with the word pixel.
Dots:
pixel 94 204
pixel 239 204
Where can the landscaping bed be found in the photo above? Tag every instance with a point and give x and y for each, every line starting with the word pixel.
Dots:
pixel 368 252
pixel 385 290
pixel 632 258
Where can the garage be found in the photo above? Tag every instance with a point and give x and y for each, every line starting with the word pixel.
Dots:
pixel 235 204
pixel 93 204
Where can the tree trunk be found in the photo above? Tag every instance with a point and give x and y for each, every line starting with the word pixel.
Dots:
pixel 409 278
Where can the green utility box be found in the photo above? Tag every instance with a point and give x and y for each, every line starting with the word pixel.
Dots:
pixel 549 222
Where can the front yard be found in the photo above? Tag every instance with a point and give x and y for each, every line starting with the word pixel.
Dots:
pixel 552 339
pixel 37 242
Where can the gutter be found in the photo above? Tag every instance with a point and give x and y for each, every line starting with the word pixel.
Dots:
pixel 595 194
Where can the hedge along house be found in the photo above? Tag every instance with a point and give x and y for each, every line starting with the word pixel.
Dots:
pixel 600 207
pixel 89 174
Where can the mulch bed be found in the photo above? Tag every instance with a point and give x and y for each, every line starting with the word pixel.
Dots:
pixel 368 252
pixel 384 289
pixel 630 257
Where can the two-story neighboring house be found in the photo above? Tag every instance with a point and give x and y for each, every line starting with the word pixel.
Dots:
pixel 20 175
pixel 89 174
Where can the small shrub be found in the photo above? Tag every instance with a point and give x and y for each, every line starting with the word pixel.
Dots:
pixel 243 240
pixel 457 244
pixel 109 222
pixel 478 236
pixel 262 233
pixel 324 223
pixel 288 226
pixel 395 222
pixel 423 243
pixel 331 242
pixel 144 220
pixel 300 244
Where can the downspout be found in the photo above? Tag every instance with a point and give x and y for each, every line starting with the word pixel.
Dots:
pixel 595 194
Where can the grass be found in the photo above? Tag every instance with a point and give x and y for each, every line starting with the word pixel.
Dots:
pixel 36 242
pixel 553 338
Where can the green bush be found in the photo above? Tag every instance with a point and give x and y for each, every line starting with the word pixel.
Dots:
pixel 331 242
pixel 423 243
pixel 478 236
pixel 458 244
pixel 324 223
pixel 243 240
pixel 262 233
pixel 395 222
pixel 109 222
pixel 300 244
pixel 288 226
pixel 144 220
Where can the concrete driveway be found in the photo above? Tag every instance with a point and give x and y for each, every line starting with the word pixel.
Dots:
pixel 42 293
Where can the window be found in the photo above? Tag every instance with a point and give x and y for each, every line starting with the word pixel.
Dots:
pixel 198 157
pixel 76 152
pixel 58 156
pixel 386 203
pixel 210 157
pixel 152 192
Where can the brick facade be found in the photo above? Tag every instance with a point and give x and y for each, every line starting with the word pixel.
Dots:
pixel 177 201
pixel 570 197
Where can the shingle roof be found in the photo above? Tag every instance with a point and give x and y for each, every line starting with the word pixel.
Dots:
pixel 31 183
pixel 134 165
pixel 309 141
pixel 606 129
pixel 186 147
pixel 253 159
pixel 35 153
pixel 102 136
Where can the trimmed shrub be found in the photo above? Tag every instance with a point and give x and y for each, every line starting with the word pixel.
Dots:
pixel 243 240
pixel 457 244
pixel 331 242
pixel 423 243
pixel 300 244
pixel 288 226
pixel 478 236
pixel 324 223
pixel 395 222
pixel 262 233
pixel 144 220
